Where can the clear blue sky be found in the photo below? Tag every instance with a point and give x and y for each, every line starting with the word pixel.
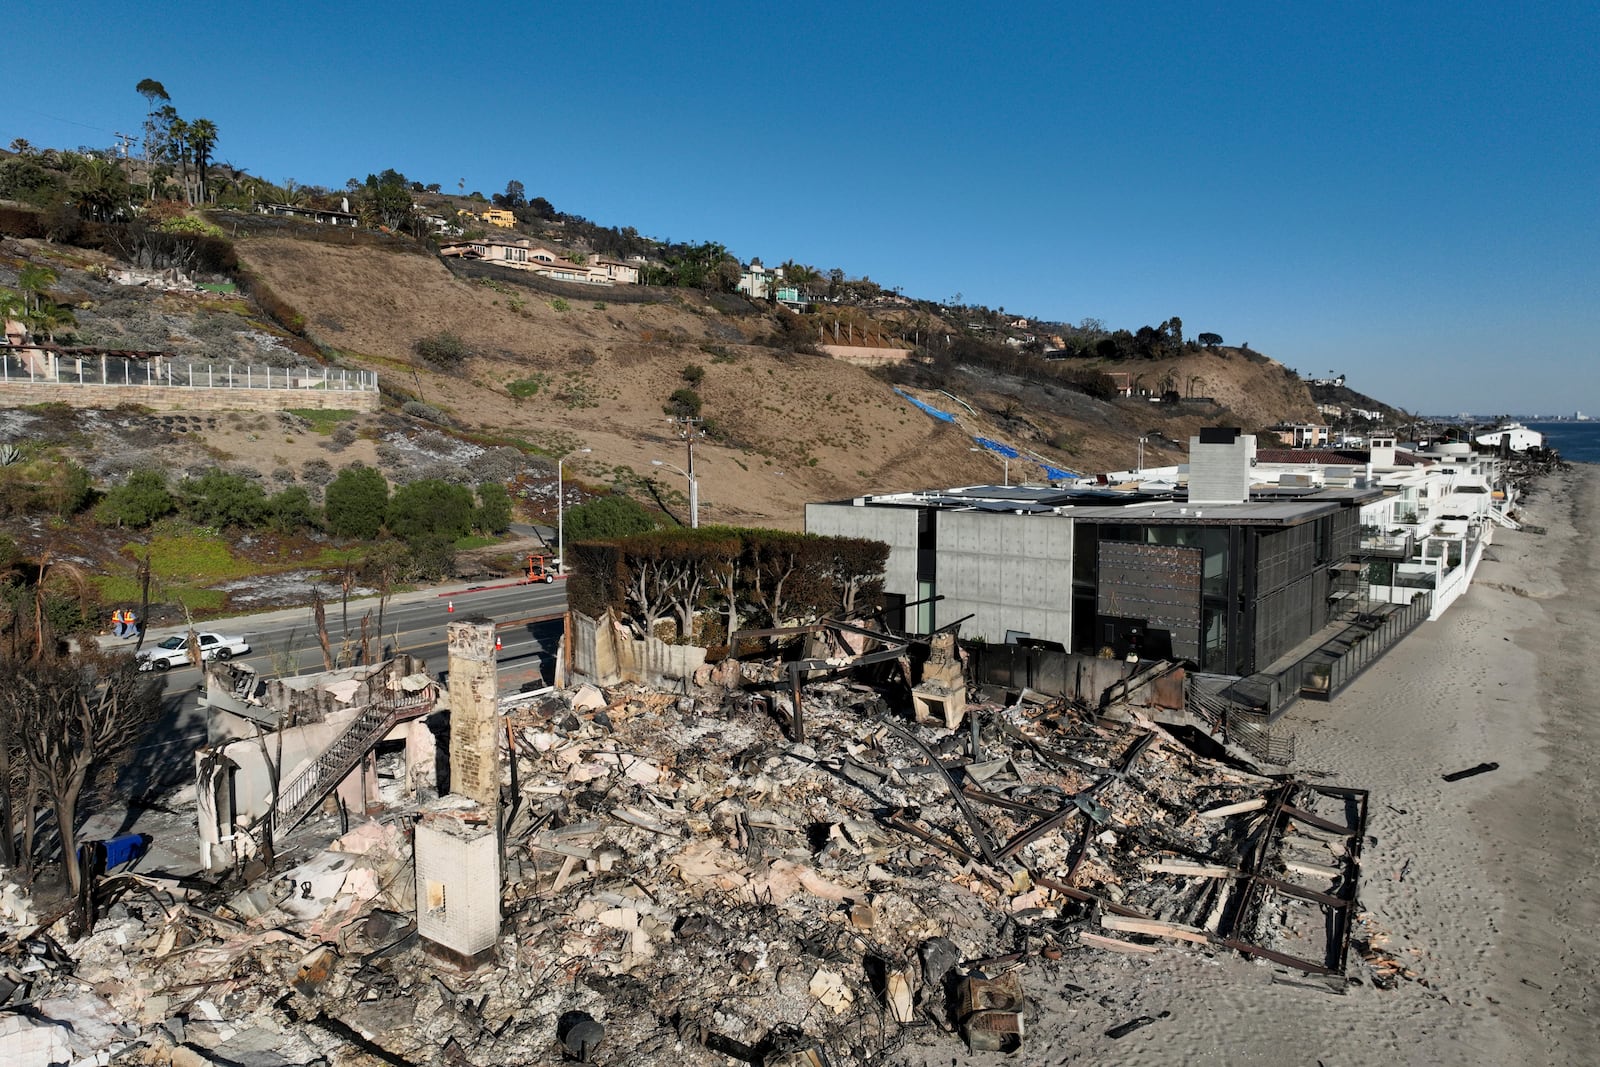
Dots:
pixel 1407 193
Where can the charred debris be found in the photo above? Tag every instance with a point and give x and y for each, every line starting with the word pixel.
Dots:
pixel 797 861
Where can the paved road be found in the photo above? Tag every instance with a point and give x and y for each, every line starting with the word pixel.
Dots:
pixel 286 640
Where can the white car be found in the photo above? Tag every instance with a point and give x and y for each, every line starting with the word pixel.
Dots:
pixel 174 651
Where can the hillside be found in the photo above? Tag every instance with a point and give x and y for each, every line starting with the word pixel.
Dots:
pixel 558 370
pixel 790 427
pixel 830 428
pixel 595 373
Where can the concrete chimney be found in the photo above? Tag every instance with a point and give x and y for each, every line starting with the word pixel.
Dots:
pixel 456 846
pixel 474 714
pixel 1221 466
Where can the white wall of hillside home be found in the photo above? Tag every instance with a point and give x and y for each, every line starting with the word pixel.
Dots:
pixel 894 526
pixel 1009 572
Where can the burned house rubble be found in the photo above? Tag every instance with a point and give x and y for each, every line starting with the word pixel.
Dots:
pixel 781 866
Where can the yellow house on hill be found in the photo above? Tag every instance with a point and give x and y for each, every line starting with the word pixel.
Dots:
pixel 494 216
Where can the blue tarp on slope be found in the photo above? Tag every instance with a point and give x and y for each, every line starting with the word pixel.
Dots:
pixel 942 416
pixel 997 447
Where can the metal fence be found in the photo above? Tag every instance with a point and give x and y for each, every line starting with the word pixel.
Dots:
pixel 1252 729
pixel 48 368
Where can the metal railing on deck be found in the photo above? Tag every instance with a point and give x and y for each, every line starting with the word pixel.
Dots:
pixel 1319 677
pixel 1249 728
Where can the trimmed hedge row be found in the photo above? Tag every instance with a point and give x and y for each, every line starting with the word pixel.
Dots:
pixel 772 576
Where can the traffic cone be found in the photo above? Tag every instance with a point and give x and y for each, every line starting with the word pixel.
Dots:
pixel 450 607
pixel 497 645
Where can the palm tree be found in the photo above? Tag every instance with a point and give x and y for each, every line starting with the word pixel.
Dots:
pixel 99 188
pixel 803 276
pixel 50 318
pixel 35 281
pixel 13 308
pixel 202 138
pixel 178 150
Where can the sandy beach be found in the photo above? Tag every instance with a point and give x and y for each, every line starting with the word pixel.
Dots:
pixel 1485 886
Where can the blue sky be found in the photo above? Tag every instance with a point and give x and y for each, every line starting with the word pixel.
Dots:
pixel 1407 193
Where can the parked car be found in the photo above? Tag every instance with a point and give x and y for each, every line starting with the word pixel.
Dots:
pixel 174 651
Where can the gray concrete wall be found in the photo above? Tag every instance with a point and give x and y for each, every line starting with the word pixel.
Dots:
pixel 653 662
pixel 603 656
pixel 894 526
pixel 1010 572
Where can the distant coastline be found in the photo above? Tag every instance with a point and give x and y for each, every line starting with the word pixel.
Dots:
pixel 1578 442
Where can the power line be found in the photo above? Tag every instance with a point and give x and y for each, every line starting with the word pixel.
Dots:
pixel 69 122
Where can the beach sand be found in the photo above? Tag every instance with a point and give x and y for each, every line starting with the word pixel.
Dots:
pixel 1485 886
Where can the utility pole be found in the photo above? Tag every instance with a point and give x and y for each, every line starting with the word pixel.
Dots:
pixel 689 429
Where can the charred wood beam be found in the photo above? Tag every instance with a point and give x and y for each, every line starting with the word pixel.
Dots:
pixel 1312 819
pixel 1275 956
pixel 1026 837
pixel 904 825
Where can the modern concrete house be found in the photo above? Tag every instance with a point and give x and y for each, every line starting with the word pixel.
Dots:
pixel 1226 578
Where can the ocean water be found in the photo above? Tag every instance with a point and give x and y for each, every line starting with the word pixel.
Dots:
pixel 1578 442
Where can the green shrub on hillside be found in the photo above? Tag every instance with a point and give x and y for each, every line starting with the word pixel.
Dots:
pixel 137 502
pixel 430 508
pixel 494 508
pixel 443 349
pixel 607 517
pixel 218 499
pixel 291 510
pixel 355 502
pixel 684 402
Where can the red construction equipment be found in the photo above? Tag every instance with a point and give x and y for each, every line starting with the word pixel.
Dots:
pixel 540 569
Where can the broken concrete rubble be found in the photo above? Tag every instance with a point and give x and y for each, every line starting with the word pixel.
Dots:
pixel 697 881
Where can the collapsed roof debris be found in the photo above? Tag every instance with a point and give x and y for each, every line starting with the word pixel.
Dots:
pixel 684 881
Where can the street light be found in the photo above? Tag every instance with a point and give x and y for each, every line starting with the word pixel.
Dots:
pixel 694 489
pixel 561 510
pixel 1142 440
pixel 1003 459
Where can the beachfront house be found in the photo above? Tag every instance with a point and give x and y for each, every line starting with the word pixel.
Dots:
pixel 1292 568
pixel 1220 577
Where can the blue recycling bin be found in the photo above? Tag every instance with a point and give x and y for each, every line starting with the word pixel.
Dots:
pixel 125 849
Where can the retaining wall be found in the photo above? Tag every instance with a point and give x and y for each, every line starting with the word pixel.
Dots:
pixel 186 398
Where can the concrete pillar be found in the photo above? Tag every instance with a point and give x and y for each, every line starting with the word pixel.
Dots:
pixel 474 715
pixel 358 790
pixel 421 751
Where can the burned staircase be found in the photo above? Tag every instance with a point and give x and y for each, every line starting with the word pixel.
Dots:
pixel 302 793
